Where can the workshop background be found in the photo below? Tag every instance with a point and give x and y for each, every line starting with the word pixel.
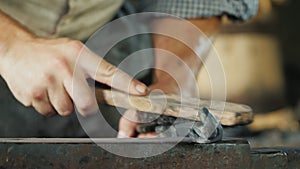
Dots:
pixel 261 62
pixel 262 69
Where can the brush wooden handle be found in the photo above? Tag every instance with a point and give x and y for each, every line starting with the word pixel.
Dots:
pixel 229 114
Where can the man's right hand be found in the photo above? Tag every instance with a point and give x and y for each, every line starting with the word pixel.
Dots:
pixel 50 74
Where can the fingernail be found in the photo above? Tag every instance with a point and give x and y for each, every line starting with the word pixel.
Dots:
pixel 141 88
pixel 122 134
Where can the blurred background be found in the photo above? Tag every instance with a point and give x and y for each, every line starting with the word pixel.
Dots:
pixel 262 69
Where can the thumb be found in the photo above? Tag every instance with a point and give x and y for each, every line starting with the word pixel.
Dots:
pixel 127 124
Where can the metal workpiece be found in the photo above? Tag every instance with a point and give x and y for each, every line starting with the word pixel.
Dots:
pixel 207 130
pixel 83 153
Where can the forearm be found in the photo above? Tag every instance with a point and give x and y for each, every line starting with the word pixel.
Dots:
pixel 186 56
pixel 12 33
pixel 11 29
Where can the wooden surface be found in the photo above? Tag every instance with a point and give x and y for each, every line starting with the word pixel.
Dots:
pixel 283 120
pixel 229 114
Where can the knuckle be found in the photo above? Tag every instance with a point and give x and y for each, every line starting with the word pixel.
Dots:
pixel 86 105
pixel 37 94
pixel 65 112
pixel 107 72
pixel 50 79
pixel 111 70
pixel 23 97
pixel 46 112
pixel 76 46
pixel 62 104
pixel 62 64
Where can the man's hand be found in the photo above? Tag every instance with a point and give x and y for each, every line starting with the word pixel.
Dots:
pixel 183 67
pixel 50 74
pixel 129 121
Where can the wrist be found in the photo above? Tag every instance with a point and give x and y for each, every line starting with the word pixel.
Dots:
pixel 11 32
pixel 10 43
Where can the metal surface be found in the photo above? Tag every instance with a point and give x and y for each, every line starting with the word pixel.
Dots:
pixel 268 158
pixel 276 158
pixel 83 154
pixel 206 131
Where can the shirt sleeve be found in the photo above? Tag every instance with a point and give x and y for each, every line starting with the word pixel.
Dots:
pixel 238 10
